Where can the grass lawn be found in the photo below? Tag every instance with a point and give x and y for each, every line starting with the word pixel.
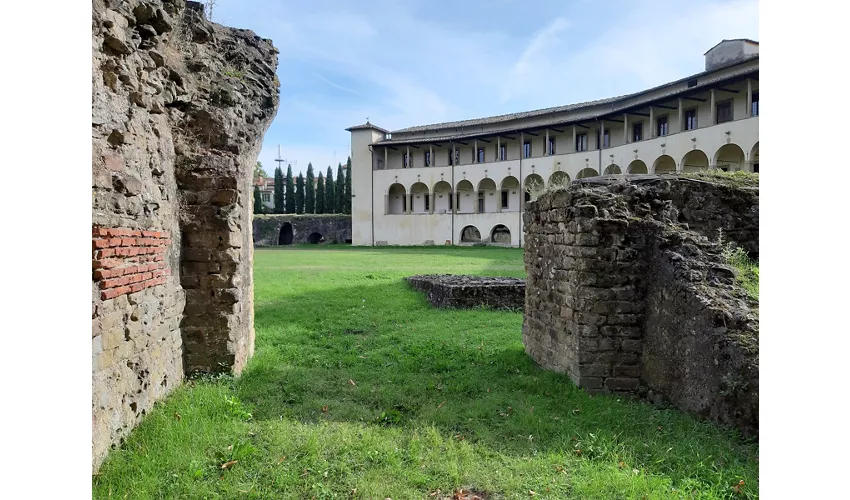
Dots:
pixel 359 389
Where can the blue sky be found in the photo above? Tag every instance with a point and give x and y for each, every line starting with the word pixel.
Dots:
pixel 413 62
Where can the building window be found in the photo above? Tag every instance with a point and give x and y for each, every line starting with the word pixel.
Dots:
pixel 427 158
pixel 451 159
pixel 481 202
pixel 480 155
pixel 504 199
pixel 724 112
pixel 503 152
pixel 405 160
pixel 404 204
pixel 637 132
pixel 756 167
pixel 755 108
pixel 380 164
pixel 427 202
pixel 581 142
pixel 451 201
pixel 606 140
pixel 691 119
pixel 661 126
pixel 267 197
pixel 526 149
pixel 551 145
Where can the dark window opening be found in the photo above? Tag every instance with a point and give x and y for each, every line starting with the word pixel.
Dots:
pixel 503 153
pixel 662 129
pixel 427 158
pixel 606 139
pixel 691 119
pixel 504 198
pixel 380 164
pixel 405 160
pixel 285 237
pixel 480 155
pixel 457 157
pixel 451 158
pixel 756 167
pixel 581 142
pixel 527 196
pixel 315 238
pixel 551 145
pixel 427 202
pixel 404 203
pixel 755 107
pixel 526 149
pixel 724 112
pixel 451 200
pixel 637 131
pixel 481 202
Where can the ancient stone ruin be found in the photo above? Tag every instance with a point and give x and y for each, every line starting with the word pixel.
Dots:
pixel 179 109
pixel 464 292
pixel 273 230
pixel 627 291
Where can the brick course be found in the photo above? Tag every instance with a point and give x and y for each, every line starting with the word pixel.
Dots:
pixel 130 267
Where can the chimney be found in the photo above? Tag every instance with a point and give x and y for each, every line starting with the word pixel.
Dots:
pixel 730 51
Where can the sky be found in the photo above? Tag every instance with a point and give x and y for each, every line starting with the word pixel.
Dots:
pixel 403 63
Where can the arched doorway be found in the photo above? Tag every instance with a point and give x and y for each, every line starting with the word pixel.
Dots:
pixel 396 199
pixel 754 159
pixel 442 198
pixel 509 196
pixel 532 187
pixel 500 234
pixel 665 164
pixel 315 238
pixel 559 178
pixel 586 172
pixel 613 170
pixel 695 161
pixel 285 236
pixel 637 167
pixel 465 197
pixel 487 196
pixel 470 234
pixel 420 198
pixel 730 157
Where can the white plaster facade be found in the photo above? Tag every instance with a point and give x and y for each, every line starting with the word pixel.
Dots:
pixel 406 190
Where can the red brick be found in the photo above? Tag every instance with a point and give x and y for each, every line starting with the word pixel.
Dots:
pixel 108 294
pixel 135 287
pixel 159 258
pixel 148 234
pixel 99 231
pixel 123 290
pixel 136 233
pixel 110 283
pixel 128 242
pixel 102 254
pixel 99 244
pixel 160 250
pixel 106 263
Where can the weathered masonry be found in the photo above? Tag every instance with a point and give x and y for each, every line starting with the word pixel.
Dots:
pixel 627 291
pixel 273 230
pixel 179 109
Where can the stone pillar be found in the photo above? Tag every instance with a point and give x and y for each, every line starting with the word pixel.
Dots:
pixel 575 148
pixel 521 145
pixel 651 122
pixel 626 129
pixel 713 105
pixel 546 144
pixel 498 147
pixel 749 111
pixel 431 155
pixel 409 159
pixel 475 152
pixel 386 157
pixel 681 117
pixel 601 138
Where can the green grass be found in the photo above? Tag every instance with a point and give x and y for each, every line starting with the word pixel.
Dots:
pixel 359 389
pixel 747 269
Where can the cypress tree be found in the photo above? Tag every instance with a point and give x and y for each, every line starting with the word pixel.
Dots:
pixel 290 192
pixel 330 198
pixel 348 186
pixel 299 194
pixel 339 204
pixel 320 194
pixel 258 201
pixel 278 191
pixel 310 195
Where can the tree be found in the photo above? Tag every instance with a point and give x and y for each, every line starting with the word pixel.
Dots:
pixel 329 192
pixel 259 171
pixel 299 194
pixel 290 191
pixel 339 204
pixel 348 186
pixel 278 191
pixel 258 201
pixel 310 195
pixel 320 194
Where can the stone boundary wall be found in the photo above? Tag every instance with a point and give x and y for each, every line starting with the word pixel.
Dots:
pixel 179 109
pixel 458 291
pixel 334 228
pixel 624 297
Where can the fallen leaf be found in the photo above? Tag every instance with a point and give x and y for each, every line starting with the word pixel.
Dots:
pixel 351 382
pixel 531 492
pixel 488 389
pixel 325 409
pixel 281 459
pixel 441 405
pixel 532 410
pixel 177 416
pixel 738 486
pixel 227 465
pixel 622 464
pixel 578 452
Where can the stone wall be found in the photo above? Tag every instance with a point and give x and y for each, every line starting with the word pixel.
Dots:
pixel 458 291
pixel 179 108
pixel 625 294
pixel 270 230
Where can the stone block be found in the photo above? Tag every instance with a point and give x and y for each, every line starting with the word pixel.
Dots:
pixel 622 383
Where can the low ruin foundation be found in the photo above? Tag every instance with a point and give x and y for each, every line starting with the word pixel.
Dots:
pixel 627 291
pixel 179 109
pixel 464 292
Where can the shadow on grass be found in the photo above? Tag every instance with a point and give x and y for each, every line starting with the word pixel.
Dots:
pixel 379 354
